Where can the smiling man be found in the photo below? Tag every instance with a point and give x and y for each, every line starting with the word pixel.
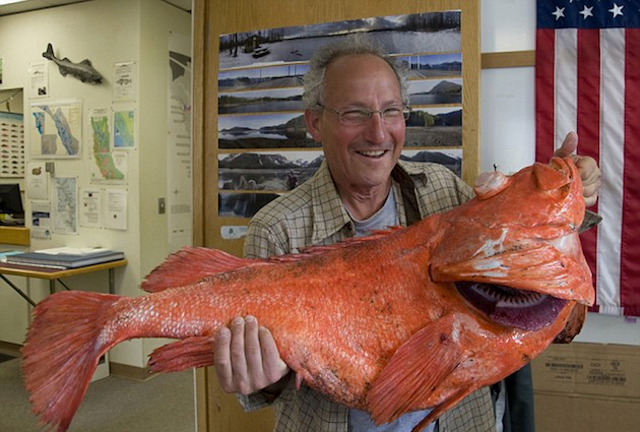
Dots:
pixel 361 126
pixel 356 105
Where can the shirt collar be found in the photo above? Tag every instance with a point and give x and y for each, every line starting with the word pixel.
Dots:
pixel 329 215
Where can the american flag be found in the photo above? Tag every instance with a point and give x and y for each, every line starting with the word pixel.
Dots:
pixel 588 81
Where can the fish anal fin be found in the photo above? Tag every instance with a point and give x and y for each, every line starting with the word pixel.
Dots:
pixel 415 371
pixel 193 352
pixel 189 265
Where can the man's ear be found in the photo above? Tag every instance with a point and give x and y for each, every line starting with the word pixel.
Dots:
pixel 312 118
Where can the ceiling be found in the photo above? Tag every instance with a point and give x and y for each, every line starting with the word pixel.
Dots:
pixel 30 5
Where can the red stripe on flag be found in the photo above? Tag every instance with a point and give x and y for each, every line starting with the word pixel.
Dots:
pixel 545 93
pixel 630 245
pixel 588 121
pixel 588 93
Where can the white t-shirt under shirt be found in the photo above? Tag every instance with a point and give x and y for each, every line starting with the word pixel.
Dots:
pixel 360 421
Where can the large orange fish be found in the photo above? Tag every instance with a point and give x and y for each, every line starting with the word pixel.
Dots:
pixel 403 320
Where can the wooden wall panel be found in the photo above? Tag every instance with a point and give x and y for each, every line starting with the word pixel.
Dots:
pixel 218 411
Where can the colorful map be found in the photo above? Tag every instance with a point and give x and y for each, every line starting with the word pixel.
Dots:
pixel 55 129
pixel 107 165
pixel 124 129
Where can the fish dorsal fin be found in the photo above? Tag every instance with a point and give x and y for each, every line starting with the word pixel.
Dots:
pixel 320 249
pixel 416 369
pixel 86 62
pixel 191 264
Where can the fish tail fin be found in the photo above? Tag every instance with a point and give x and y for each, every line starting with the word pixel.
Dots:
pixel 48 54
pixel 62 351
pixel 193 352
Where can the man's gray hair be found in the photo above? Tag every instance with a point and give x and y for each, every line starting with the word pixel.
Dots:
pixel 354 44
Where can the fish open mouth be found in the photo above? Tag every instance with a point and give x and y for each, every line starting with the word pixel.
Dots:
pixel 525 310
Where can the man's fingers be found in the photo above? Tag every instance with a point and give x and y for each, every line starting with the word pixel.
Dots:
pixel 569 145
pixel 274 367
pixel 253 352
pixel 591 179
pixel 222 359
pixel 247 358
pixel 238 356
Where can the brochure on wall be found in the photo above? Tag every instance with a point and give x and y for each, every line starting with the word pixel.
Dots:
pixel 124 85
pixel 90 208
pixel 37 181
pixel 41 219
pixel 116 209
pixel 38 80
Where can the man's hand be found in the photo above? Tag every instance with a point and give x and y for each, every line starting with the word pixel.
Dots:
pixel 587 167
pixel 247 358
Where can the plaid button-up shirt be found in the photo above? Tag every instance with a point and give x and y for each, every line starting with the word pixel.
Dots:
pixel 313 214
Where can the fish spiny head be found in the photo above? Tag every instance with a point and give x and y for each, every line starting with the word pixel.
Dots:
pixel 514 250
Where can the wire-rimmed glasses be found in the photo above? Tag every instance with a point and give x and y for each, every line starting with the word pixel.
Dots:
pixel 361 116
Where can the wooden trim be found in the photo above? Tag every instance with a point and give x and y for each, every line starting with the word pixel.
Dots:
pixel 509 59
pixel 200 23
pixel 202 400
pixel 131 372
pixel 19 236
pixel 9 348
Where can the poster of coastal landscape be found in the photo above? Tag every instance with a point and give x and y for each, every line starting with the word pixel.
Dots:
pixel 264 148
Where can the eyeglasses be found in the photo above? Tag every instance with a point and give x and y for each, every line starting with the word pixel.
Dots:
pixel 361 116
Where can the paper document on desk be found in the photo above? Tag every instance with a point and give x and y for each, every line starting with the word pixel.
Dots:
pixel 75 251
pixel 64 260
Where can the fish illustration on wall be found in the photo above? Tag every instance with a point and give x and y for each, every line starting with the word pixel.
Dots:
pixel 83 71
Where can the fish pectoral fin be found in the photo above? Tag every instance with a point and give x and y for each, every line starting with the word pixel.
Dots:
pixel 193 352
pixel 192 264
pixel 415 371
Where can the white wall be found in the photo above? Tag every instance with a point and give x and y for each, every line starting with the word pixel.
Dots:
pixel 106 32
pixel 507 123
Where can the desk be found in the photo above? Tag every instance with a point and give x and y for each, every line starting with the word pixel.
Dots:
pixel 53 275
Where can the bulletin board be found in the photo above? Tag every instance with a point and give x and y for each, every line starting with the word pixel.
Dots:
pixel 229 196
pixel 215 22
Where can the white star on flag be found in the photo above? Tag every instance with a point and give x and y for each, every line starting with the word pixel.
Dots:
pixel 616 10
pixel 586 12
pixel 559 13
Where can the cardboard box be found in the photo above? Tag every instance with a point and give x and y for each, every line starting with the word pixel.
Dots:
pixel 583 387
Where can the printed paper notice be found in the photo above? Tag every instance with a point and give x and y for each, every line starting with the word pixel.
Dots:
pixel 91 211
pixel 124 86
pixel 37 181
pixel 116 209
pixel 38 79
pixel 41 219
pixel 65 202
